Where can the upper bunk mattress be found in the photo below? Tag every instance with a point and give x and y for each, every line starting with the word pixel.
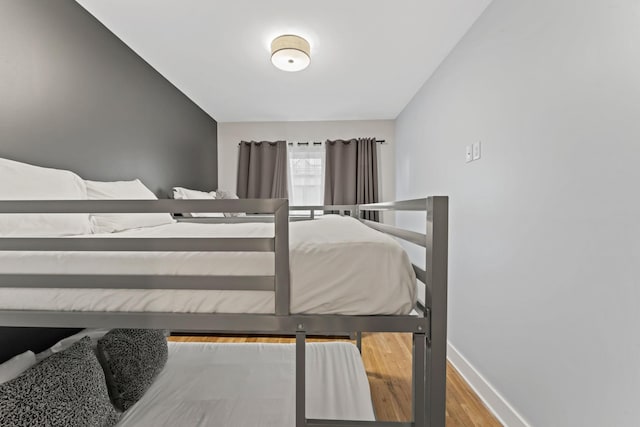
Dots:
pixel 239 385
pixel 338 266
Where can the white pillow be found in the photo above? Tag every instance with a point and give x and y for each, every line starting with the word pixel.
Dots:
pixel 229 195
pixel 21 181
pixel 65 343
pixel 16 365
pixel 180 193
pixel 123 190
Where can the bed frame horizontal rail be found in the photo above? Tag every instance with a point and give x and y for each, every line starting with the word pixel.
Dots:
pixel 403 205
pixel 149 244
pixel 420 273
pixel 345 423
pixel 231 219
pixel 216 323
pixel 263 206
pixel 323 207
pixel 419 239
pixel 138 281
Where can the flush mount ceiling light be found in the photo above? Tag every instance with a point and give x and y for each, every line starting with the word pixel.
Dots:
pixel 290 53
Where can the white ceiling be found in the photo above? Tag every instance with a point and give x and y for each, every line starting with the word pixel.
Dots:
pixel 368 57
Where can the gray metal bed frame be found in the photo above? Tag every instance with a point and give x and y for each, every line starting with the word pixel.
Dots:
pixel 428 327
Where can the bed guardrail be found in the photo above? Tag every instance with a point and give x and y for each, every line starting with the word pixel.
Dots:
pixel 350 210
pixel 296 213
pixel 278 244
pixel 434 276
pixel 428 329
pixel 429 349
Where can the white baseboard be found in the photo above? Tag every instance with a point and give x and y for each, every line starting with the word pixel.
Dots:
pixel 491 398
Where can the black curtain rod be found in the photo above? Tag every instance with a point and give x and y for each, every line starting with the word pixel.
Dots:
pixel 379 141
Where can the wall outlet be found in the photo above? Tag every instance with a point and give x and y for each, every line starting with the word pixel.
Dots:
pixel 468 156
pixel 476 150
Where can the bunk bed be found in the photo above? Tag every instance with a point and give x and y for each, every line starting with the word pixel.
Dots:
pixel 428 327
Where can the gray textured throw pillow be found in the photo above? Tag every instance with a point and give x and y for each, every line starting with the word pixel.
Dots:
pixel 66 389
pixel 132 359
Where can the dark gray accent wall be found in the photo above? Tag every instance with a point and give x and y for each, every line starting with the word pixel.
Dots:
pixel 14 341
pixel 74 96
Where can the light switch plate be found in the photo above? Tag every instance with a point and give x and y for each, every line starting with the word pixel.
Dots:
pixel 476 150
pixel 468 154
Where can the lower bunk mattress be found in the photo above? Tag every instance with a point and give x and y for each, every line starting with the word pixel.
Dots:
pixel 229 385
pixel 338 266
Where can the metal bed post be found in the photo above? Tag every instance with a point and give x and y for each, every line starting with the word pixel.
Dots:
pixel 419 380
pixel 283 296
pixel 436 304
pixel 301 413
pixel 282 285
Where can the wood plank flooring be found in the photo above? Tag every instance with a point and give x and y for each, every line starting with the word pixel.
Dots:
pixel 387 359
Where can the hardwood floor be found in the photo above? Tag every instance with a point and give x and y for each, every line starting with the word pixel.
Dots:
pixel 387 359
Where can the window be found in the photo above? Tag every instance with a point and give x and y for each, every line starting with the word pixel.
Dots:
pixel 306 174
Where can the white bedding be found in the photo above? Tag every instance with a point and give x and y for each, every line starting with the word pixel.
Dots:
pixel 241 385
pixel 338 266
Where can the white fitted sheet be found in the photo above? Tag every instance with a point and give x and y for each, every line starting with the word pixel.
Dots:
pixel 338 266
pixel 229 385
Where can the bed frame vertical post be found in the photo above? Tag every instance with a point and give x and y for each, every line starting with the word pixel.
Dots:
pixel 301 417
pixel 281 230
pixel 419 383
pixel 436 304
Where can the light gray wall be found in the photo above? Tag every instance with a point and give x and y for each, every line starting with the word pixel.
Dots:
pixel 73 96
pixel 545 228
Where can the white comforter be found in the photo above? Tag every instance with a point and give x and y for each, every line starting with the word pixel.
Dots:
pixel 338 266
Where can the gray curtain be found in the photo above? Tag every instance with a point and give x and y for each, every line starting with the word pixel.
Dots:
pixel 351 175
pixel 262 170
